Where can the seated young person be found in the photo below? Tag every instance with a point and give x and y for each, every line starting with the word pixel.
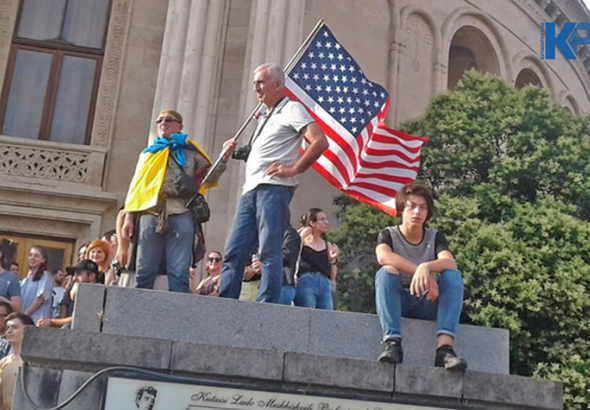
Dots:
pixel 418 279
pixel 86 271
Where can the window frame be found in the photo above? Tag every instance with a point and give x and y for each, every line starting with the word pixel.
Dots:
pixel 58 50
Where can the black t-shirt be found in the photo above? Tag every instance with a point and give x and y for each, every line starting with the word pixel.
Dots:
pixel 68 303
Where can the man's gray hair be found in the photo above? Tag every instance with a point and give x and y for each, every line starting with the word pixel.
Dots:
pixel 274 71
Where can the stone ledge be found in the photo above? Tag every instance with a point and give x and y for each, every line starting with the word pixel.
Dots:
pixel 516 390
pixel 236 362
pixel 93 350
pixel 304 373
pixel 338 372
pixel 232 323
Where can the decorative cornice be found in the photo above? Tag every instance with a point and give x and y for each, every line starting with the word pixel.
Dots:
pixel 111 73
pixel 532 9
pixel 43 163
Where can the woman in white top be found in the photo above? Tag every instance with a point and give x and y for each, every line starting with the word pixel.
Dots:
pixel 37 287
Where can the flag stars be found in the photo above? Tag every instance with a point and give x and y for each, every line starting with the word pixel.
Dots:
pixel 351 110
pixel 324 67
pixel 328 45
pixel 321 55
pixel 326 78
pixel 331 56
pixel 332 110
pixel 318 88
pixel 316 77
pixel 318 44
pixel 337 46
pixel 303 66
pixel 320 99
pixel 353 80
pixel 314 66
pixel 307 87
pixel 330 100
pixel 340 57
pixel 306 76
pixel 311 54
pixel 341 110
pixel 342 68
pixel 365 92
pixel 335 78
pixel 333 67
pixel 340 100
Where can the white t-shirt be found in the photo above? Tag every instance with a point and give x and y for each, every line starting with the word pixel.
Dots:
pixel 278 142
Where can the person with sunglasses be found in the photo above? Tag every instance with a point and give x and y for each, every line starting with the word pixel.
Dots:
pixel 166 182
pixel 209 286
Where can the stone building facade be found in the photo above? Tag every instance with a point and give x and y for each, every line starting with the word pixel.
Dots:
pixel 197 56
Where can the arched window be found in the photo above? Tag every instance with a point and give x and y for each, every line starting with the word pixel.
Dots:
pixel 470 48
pixel 526 77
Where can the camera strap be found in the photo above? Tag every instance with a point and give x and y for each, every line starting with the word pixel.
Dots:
pixel 258 130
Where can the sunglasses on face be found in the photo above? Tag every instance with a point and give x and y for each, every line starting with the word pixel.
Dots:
pixel 215 259
pixel 167 119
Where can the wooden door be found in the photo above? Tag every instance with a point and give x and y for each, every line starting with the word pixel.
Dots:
pixel 59 251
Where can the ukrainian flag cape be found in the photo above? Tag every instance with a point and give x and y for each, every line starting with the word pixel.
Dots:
pixel 148 178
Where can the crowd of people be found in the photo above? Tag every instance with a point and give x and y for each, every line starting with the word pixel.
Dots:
pixel 158 240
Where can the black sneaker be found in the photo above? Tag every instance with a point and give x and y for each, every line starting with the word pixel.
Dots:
pixel 446 357
pixel 392 351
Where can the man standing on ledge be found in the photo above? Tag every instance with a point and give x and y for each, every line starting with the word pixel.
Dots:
pixel 167 178
pixel 271 167
pixel 418 279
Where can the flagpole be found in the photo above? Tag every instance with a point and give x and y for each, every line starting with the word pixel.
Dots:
pixel 290 65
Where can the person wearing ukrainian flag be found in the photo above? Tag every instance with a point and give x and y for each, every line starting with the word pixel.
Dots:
pixel 168 174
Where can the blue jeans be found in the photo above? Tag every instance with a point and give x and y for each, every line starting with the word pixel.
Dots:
pixel 287 295
pixel 394 301
pixel 314 291
pixel 175 245
pixel 260 221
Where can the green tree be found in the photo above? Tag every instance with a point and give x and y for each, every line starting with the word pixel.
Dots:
pixel 509 170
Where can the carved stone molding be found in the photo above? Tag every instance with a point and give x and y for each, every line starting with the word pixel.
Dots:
pixel 534 11
pixel 111 73
pixel 43 163
pixel 7 21
pixel 419 32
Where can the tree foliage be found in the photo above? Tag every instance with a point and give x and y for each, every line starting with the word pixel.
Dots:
pixel 509 170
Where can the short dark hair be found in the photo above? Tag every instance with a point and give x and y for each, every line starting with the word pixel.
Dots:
pixel 145 389
pixel 109 233
pixel 417 190
pixel 7 252
pixel 7 306
pixel 25 319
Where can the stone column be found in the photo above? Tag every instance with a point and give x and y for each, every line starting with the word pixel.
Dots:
pixel 189 64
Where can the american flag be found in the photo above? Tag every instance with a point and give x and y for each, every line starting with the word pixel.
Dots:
pixel 365 160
